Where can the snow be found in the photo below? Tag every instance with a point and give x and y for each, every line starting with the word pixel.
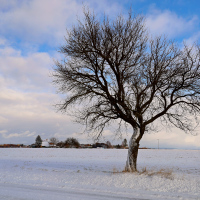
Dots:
pixel 44 173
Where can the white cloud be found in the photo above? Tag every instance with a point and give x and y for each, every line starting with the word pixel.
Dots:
pixel 169 23
pixel 28 73
pixel 3 120
pixel 193 39
pixel 45 22
pixel 3 131
pixel 36 20
pixel 12 135
pixel 2 41
pixel 111 8
pixel 174 139
pixel 33 112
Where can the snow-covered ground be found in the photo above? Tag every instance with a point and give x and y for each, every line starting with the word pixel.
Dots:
pixel 47 174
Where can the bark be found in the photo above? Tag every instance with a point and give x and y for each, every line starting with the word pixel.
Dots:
pixel 131 163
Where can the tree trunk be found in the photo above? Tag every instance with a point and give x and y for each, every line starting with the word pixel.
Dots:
pixel 131 163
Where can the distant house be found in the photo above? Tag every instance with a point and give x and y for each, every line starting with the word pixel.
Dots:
pixel 45 143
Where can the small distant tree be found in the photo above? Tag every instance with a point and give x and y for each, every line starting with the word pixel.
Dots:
pixel 109 144
pixel 38 141
pixel 71 143
pixel 53 140
pixel 60 144
pixel 124 143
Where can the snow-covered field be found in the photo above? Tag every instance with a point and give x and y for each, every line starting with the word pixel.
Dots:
pixel 47 174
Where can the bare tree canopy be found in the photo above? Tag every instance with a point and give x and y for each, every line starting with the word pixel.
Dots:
pixel 116 71
pixel 54 141
pixel 71 142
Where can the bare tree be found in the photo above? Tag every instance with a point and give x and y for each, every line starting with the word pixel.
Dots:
pixel 115 71
pixel 124 143
pixel 60 144
pixel 71 143
pixel 54 141
pixel 109 145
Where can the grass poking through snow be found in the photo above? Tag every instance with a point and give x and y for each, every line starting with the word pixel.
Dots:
pixel 164 173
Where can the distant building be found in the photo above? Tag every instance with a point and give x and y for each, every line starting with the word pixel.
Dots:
pixel 45 143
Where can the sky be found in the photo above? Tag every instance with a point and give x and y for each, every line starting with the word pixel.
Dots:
pixel 31 32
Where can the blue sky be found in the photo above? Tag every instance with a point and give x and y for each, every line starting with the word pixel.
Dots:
pixel 30 33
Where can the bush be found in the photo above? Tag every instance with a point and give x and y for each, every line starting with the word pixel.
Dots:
pixel 71 143
pixel 60 144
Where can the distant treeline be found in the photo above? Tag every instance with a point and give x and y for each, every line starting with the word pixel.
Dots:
pixel 68 143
